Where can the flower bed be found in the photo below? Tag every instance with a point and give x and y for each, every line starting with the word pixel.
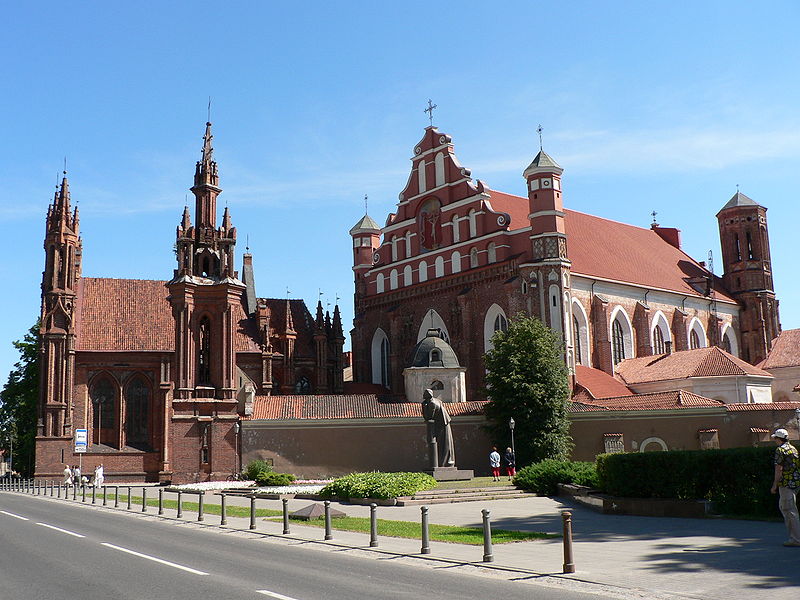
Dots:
pixel 207 486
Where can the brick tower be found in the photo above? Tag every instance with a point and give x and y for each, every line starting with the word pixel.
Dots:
pixel 62 246
pixel 206 299
pixel 744 238
pixel 366 239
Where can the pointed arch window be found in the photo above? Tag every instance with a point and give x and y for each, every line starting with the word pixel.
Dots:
pixel 576 339
pixel 302 385
pixel 617 342
pixel 694 340
pixel 726 345
pixel 104 403
pixel 137 413
pixel 381 372
pixel 658 341
pixel 204 352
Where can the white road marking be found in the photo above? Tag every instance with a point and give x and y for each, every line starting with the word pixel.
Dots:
pixel 154 559
pixel 275 595
pixel 78 535
pixel 5 512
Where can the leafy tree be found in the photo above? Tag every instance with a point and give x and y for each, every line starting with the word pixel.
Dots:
pixel 528 380
pixel 18 403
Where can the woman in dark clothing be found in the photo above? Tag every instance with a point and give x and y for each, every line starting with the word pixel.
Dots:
pixel 511 463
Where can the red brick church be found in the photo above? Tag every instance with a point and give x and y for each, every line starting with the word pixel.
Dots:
pixel 159 373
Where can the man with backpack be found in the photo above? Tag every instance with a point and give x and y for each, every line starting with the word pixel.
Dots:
pixel 786 484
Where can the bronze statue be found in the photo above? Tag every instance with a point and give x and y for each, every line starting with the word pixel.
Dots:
pixel 438 420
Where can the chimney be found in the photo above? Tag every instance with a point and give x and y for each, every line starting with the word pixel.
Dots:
pixel 669 234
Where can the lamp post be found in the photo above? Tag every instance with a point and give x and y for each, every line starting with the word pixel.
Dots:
pixel 237 428
pixel 511 424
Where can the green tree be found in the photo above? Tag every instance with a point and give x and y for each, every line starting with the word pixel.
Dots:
pixel 528 380
pixel 18 404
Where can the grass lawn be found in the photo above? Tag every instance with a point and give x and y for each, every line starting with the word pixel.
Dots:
pixel 403 529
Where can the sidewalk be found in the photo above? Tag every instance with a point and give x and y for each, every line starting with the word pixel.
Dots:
pixel 622 556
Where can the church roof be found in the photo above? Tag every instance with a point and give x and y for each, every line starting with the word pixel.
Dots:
pixel 600 384
pixel 422 354
pixel 348 406
pixel 608 249
pixel 134 315
pixel 785 351
pixel 701 362
pixel 366 223
pixel 675 399
pixel 739 199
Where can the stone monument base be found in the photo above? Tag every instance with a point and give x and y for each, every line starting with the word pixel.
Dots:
pixel 450 474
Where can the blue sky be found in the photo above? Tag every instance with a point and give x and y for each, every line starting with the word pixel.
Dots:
pixel 647 106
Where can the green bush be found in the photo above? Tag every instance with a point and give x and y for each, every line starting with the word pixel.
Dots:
pixel 542 477
pixel 271 478
pixel 737 480
pixel 254 468
pixel 377 485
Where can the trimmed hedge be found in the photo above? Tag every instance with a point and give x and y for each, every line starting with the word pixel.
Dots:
pixel 377 485
pixel 543 477
pixel 271 478
pixel 737 480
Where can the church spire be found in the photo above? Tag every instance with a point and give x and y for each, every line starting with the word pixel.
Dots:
pixel 206 184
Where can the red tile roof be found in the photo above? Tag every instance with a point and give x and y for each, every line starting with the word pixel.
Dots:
pixel 741 407
pixel 701 362
pixel 608 249
pixel 785 351
pixel 600 384
pixel 353 406
pixel 134 315
pixel 675 399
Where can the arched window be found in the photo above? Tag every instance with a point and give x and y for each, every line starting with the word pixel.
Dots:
pixel 421 175
pixel 423 270
pixel 393 279
pixel 432 320
pixel 137 413
pixel 435 359
pixel 576 340
pixel 729 343
pixel 381 372
pixel 473 258
pixel 456 231
pixel 204 352
pixel 104 404
pixel 617 342
pixel 408 244
pixel 439 162
pixel 439 266
pixel 437 386
pixel 726 345
pixel 473 224
pixel 491 252
pixel 658 341
pixel 455 262
pixel 408 275
pixel 302 385
pixel 394 248
pixel 694 340
pixel 379 283
pixel 495 320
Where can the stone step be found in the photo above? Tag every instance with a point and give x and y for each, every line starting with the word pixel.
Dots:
pixel 485 490
pixel 503 493
pixel 452 498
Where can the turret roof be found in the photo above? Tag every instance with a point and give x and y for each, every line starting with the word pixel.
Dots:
pixel 366 223
pixel 543 160
pixel 739 199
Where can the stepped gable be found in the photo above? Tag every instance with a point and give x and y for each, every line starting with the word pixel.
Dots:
pixel 676 399
pixel 785 351
pixel 608 249
pixel 352 406
pixel 700 362
pixel 134 315
pixel 599 384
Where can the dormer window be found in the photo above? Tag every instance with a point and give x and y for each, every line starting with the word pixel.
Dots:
pixel 435 359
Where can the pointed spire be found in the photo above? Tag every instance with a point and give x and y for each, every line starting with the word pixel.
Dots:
pixel 206 170
pixel 186 221
pixel 338 331
pixel 320 320
pixel 289 321
pixel 208 149
pixel 328 321
pixel 226 220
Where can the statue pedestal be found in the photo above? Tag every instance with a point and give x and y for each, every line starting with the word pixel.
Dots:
pixel 450 474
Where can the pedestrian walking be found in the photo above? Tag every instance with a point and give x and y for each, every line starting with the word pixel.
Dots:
pixel 67 475
pixel 76 475
pixel 99 476
pixel 494 463
pixel 786 484
pixel 510 461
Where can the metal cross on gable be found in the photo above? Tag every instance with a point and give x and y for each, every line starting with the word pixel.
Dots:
pixel 429 110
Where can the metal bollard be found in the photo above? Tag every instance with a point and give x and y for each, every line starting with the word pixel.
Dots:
pixel 94 494
pixel 129 497
pixel 328 532
pixel 426 536
pixel 200 497
pixel 144 499
pixel 52 485
pixel 373 525
pixel 105 496
pixel 487 537
pixel 223 520
pixel 285 515
pixel 161 501
pixel 38 491
pixel 116 496
pixel 59 491
pixel 253 511
pixel 180 504
pixel 569 563
pixel 74 491
pixel 83 493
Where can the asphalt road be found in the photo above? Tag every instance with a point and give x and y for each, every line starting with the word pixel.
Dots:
pixel 51 550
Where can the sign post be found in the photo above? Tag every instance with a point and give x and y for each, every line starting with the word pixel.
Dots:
pixel 81 441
